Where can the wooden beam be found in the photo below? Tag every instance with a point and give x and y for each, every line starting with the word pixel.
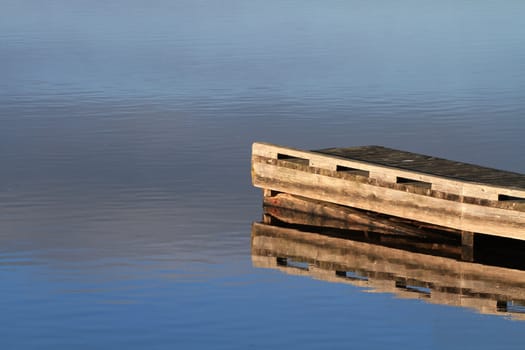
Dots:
pixel 305 211
pixel 468 206
pixel 467 246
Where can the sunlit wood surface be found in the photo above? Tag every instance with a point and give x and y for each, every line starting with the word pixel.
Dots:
pixel 406 185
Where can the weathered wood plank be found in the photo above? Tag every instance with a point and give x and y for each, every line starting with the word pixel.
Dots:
pixel 457 215
pixel 430 165
pixel 444 175
pixel 406 185
pixel 272 169
pixel 467 244
pixel 305 211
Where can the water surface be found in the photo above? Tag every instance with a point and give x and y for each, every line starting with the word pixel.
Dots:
pixel 125 134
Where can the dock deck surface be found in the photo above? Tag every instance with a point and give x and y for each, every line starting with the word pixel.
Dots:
pixel 429 165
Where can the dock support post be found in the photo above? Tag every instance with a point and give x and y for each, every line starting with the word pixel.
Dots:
pixel 467 246
pixel 267 219
pixel 268 193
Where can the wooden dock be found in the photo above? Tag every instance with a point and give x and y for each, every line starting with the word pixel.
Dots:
pixel 405 271
pixel 452 195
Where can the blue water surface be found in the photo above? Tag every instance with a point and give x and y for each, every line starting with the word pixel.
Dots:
pixel 125 135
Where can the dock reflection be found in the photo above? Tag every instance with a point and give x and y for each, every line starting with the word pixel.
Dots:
pixel 432 269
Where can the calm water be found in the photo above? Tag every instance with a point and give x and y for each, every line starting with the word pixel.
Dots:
pixel 125 134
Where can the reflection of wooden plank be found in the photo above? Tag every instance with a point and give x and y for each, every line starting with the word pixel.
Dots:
pixel 475 201
pixel 384 269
